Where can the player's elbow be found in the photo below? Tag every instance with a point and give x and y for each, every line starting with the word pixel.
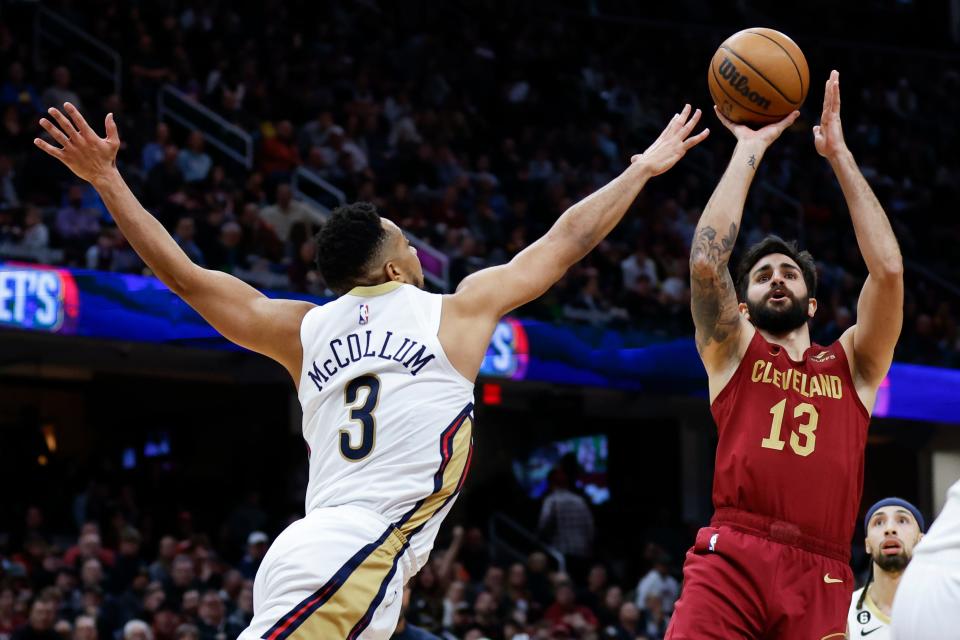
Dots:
pixel 889 270
pixel 182 284
pixel 702 268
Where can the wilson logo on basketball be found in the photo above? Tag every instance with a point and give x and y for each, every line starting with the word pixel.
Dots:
pixel 739 83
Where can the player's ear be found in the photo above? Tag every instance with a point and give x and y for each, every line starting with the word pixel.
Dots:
pixel 744 310
pixel 812 307
pixel 393 271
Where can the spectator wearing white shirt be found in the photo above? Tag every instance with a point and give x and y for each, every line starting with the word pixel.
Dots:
pixel 287 212
pixel 659 583
pixel 636 264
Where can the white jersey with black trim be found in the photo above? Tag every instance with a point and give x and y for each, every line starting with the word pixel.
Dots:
pixel 387 419
pixel 867 621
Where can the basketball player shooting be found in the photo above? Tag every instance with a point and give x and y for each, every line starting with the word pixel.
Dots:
pixel 791 416
pixel 384 374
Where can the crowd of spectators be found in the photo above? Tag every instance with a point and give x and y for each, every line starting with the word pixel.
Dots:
pixel 112 582
pixel 474 129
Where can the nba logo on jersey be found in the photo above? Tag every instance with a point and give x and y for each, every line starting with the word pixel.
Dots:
pixel 823 356
pixel 364 313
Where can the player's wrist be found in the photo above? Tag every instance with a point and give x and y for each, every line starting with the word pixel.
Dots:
pixel 104 178
pixel 839 157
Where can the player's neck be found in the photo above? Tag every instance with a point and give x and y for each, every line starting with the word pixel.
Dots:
pixel 795 342
pixel 883 588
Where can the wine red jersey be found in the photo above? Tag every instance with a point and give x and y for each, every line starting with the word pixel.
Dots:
pixel 792 438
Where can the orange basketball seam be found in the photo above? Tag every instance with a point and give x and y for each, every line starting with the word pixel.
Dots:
pixel 789 57
pixel 745 108
pixel 763 77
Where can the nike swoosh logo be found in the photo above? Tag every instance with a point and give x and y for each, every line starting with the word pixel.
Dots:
pixel 864 632
pixel 829 580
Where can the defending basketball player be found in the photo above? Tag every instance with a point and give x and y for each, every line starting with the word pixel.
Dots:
pixel 927 604
pixel 384 374
pixel 791 416
pixel 893 528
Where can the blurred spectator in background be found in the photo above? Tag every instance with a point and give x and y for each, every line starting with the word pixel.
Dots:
pixel 658 584
pixel 153 151
pixel 194 163
pixel 19 93
pixel 183 235
pixel 36 236
pixel 40 623
pixel 566 611
pixel 257 543
pixel 286 212
pixel 278 154
pixel 59 92
pixel 137 630
pixel 566 523
pixel 8 185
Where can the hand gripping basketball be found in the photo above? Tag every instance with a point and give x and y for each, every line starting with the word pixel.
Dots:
pixel 763 136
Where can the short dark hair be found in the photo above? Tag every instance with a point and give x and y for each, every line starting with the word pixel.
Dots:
pixel 346 244
pixel 776 244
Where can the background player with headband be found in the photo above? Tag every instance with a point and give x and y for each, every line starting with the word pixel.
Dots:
pixel 893 528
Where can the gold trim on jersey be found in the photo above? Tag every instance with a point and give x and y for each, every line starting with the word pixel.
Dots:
pixel 341 613
pixel 375 290
pixel 875 610
pixel 452 475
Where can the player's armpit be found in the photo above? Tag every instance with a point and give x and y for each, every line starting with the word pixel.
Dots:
pixel 713 299
pixel 248 318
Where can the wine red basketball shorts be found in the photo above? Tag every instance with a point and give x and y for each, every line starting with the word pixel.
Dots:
pixel 760 581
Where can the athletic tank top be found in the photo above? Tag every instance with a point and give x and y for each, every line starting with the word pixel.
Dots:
pixel 386 417
pixel 868 620
pixel 791 440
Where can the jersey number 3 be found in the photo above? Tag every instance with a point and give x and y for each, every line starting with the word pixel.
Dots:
pixel 807 429
pixel 362 414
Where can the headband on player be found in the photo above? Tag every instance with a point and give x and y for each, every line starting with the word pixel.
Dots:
pixel 893 502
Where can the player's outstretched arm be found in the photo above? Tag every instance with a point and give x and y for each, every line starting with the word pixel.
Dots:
pixel 880 308
pixel 486 296
pixel 722 334
pixel 238 311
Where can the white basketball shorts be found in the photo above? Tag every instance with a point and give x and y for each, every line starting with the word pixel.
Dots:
pixel 338 573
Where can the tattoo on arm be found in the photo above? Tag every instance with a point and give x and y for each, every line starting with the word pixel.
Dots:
pixel 713 298
pixel 752 162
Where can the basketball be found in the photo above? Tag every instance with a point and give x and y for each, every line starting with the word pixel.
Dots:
pixel 758 76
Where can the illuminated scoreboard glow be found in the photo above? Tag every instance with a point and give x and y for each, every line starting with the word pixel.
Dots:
pixel 38 298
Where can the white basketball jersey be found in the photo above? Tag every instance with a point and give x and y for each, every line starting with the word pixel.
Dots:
pixel 942 540
pixel 387 419
pixel 868 621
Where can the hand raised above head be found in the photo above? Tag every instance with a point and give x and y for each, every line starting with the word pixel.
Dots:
pixel 828 135
pixel 763 136
pixel 84 152
pixel 673 143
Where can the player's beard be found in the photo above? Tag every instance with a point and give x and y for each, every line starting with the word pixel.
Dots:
pixel 891 564
pixel 778 321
